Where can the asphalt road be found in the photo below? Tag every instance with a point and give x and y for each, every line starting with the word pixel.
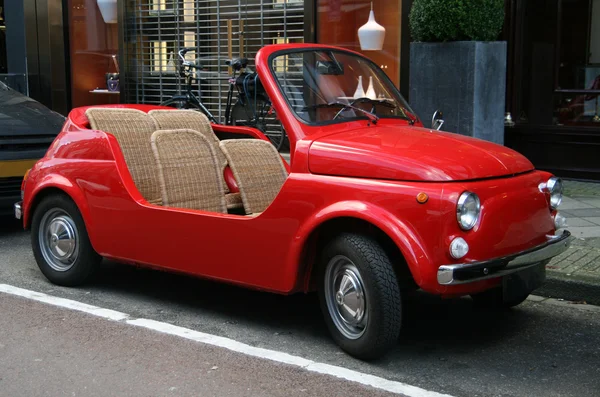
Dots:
pixel 49 351
pixel 538 349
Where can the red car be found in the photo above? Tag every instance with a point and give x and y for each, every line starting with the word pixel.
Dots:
pixel 371 205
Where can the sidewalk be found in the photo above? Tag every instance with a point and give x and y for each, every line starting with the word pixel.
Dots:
pixel 575 274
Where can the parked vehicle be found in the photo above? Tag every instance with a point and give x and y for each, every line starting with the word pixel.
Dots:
pixel 27 128
pixel 372 204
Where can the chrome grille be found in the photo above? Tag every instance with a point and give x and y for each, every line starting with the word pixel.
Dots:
pixel 25 142
pixel 10 186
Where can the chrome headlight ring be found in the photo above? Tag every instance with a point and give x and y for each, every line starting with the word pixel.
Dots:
pixel 468 209
pixel 555 188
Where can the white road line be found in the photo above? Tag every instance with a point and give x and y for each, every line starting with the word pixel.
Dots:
pixel 230 344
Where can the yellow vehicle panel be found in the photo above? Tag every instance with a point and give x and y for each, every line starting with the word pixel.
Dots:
pixel 12 168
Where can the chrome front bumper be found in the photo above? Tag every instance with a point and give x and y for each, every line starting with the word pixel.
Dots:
pixel 18 210
pixel 476 271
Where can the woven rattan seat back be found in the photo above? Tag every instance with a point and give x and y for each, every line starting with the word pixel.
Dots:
pixel 188 119
pixel 258 169
pixel 189 171
pixel 132 128
pixel 194 120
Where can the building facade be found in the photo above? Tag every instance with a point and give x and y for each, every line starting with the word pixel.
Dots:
pixel 70 50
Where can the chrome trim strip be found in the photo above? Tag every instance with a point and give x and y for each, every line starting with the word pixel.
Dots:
pixel 555 245
pixel 18 210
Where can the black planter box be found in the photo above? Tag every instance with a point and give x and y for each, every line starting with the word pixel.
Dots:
pixel 466 80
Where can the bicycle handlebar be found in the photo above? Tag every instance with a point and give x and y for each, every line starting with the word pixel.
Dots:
pixel 184 62
pixel 184 51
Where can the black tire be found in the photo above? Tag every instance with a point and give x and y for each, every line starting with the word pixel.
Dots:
pixel 81 261
pixel 383 304
pixel 493 299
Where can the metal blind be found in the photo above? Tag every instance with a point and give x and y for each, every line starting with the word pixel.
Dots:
pixel 156 29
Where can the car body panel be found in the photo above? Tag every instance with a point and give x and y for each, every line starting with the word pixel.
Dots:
pixel 412 154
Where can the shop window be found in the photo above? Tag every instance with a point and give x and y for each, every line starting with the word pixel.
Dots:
pixel 338 22
pixel 94 55
pixel 576 97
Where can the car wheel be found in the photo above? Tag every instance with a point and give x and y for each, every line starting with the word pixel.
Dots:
pixel 359 296
pixel 60 242
pixel 494 299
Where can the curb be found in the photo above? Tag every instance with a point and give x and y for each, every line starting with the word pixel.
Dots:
pixel 559 287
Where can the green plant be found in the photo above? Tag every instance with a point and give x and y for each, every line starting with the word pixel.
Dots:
pixel 454 20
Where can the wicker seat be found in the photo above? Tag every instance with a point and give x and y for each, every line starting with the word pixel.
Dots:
pixel 258 169
pixel 189 170
pixel 132 128
pixel 197 121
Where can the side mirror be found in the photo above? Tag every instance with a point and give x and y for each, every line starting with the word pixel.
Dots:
pixel 437 120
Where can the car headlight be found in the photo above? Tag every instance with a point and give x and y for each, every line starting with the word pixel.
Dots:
pixel 467 210
pixel 555 188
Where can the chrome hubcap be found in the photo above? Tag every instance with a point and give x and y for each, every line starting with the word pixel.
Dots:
pixel 345 296
pixel 58 240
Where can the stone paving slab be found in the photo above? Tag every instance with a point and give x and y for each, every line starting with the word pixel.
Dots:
pixel 578 188
pixel 574 221
pixel 585 231
pixel 569 203
pixel 582 212
pixel 588 201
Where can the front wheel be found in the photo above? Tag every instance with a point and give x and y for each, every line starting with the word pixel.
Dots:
pixel 359 296
pixel 60 242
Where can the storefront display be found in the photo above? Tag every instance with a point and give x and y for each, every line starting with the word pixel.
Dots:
pixel 343 22
pixel 94 47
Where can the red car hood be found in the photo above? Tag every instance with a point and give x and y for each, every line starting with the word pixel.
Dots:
pixel 413 154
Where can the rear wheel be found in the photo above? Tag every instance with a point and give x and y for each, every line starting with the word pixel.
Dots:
pixel 60 242
pixel 359 296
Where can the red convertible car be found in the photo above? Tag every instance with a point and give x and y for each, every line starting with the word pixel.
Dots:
pixel 372 204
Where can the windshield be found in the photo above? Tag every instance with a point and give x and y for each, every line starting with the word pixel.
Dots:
pixel 324 86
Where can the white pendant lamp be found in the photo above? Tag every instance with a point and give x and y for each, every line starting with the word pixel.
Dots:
pixel 371 34
pixel 108 9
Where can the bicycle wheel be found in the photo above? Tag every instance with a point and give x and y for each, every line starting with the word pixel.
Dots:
pixel 180 103
pixel 184 103
pixel 259 117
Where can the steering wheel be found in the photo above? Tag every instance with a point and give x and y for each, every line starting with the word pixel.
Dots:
pixel 362 99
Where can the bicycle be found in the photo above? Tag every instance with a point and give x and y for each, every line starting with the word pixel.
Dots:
pixel 189 100
pixel 252 107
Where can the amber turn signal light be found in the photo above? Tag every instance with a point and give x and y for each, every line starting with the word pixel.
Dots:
pixel 422 198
